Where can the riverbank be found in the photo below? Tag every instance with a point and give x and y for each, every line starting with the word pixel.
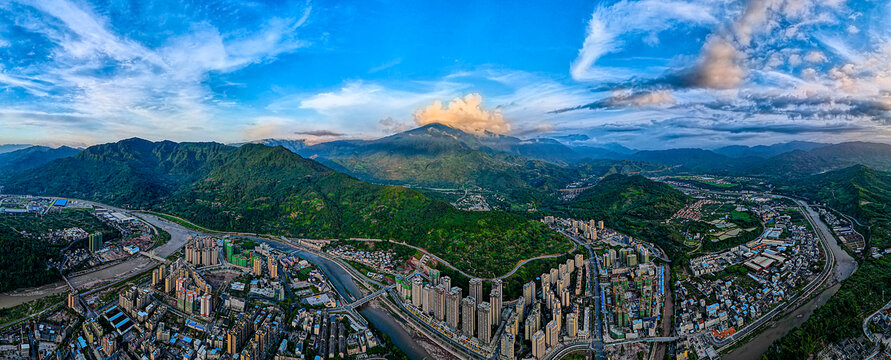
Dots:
pixel 844 268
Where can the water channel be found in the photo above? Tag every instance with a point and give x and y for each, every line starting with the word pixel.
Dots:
pixel 347 288
pixel 845 266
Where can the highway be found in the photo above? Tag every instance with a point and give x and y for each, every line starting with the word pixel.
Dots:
pixel 596 344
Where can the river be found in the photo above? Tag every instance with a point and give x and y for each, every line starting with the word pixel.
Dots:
pixel 342 281
pixel 104 275
pixel 344 284
pixel 845 266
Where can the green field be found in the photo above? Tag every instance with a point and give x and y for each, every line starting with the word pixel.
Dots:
pixel 708 182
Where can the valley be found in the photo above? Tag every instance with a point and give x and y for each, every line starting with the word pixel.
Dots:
pixel 696 241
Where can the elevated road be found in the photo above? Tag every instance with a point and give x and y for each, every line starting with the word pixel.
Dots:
pixel 353 305
pixel 592 266
pixel 153 256
pixel 643 340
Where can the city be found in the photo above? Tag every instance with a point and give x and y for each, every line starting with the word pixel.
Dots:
pixel 383 180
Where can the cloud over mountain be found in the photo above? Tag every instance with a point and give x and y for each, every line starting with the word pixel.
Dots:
pixel 466 114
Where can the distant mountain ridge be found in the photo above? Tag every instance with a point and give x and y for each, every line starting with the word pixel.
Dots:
pixel 5 148
pixel 442 157
pixel 31 157
pixel 766 151
pixel 258 188
pixel 439 156
pixel 292 145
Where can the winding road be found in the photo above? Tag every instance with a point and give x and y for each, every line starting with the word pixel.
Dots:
pixel 450 266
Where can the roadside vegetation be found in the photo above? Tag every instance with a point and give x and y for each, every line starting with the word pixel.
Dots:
pixel 27 247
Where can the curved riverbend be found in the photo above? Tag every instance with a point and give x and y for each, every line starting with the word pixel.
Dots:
pixel 345 286
pixel 845 266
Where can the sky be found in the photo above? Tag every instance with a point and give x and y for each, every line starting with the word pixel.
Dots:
pixel 647 74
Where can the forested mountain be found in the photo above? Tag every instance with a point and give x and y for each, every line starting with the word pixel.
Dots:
pixel 31 157
pixel 5 148
pixel 766 151
pixel 797 159
pixel 442 157
pixel 258 188
pixel 827 158
pixel 624 196
pixel 133 172
pixel 696 160
pixel 633 205
pixel 294 146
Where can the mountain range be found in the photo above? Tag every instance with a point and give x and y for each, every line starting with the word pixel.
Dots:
pixel 28 157
pixel 526 170
pixel 437 156
pixel 258 188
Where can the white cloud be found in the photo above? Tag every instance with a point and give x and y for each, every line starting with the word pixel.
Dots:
pixel 136 88
pixel 648 18
pixel 720 67
pixel 465 114
pixel 30 85
pixel 815 56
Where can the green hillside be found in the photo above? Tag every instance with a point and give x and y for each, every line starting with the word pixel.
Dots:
pixel 633 205
pixel 31 157
pixel 438 156
pixel 827 158
pixel 265 189
pixel 23 261
pixel 857 191
pixel 132 173
pixel 634 196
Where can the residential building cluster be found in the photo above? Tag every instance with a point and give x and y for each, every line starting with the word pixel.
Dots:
pixel 203 251
pixel 733 288
pixel 632 291
pixel 554 309
pixel 693 211
pixel 383 261
pixel 585 229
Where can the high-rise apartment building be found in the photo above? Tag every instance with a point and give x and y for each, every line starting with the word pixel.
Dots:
pixel 272 264
pixel 95 241
pixel 484 325
pixel 552 333
pixel 468 316
pixel 417 291
pixel 507 346
pixel 529 292
pixel 439 302
pixel 476 289
pixel 538 345
pixel 495 301
pixel 453 307
pixel 572 325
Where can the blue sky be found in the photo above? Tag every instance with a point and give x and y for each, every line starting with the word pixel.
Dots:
pixel 647 74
